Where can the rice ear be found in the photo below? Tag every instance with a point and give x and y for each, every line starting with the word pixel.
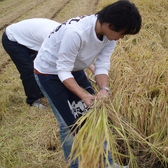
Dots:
pixel 89 142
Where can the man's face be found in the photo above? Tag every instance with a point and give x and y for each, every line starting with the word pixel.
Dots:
pixel 111 34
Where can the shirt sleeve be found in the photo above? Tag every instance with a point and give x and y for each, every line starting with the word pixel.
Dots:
pixel 68 52
pixel 102 63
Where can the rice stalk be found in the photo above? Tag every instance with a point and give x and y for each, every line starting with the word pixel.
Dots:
pixel 137 143
pixel 92 143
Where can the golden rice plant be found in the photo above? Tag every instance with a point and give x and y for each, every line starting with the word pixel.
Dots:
pixel 89 142
pixel 124 141
pixel 135 116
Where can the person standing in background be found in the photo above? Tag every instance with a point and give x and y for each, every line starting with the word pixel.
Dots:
pixel 22 41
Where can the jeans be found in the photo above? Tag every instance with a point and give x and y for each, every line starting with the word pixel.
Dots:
pixel 61 100
pixel 23 59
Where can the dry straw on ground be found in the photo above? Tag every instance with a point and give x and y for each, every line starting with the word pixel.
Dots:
pixel 133 122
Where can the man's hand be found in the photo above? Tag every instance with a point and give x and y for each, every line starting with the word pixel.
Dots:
pixel 88 99
pixel 102 94
pixel 72 85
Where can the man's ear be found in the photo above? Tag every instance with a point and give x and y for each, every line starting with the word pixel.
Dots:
pixel 110 26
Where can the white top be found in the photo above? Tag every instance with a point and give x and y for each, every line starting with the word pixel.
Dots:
pixel 31 32
pixel 74 46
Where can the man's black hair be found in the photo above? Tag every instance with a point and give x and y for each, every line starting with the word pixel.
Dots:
pixel 122 16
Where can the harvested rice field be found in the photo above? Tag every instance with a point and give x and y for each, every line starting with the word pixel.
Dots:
pixel 134 121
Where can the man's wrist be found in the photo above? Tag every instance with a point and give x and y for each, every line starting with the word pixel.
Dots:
pixel 105 88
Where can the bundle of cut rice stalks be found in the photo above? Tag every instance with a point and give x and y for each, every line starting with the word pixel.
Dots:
pixel 105 133
pixel 94 142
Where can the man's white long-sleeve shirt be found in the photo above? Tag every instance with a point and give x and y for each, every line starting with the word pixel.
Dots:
pixel 31 32
pixel 74 46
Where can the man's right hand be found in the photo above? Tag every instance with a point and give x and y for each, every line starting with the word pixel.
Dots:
pixel 88 99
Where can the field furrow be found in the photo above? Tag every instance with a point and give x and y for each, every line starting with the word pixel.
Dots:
pixel 60 10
